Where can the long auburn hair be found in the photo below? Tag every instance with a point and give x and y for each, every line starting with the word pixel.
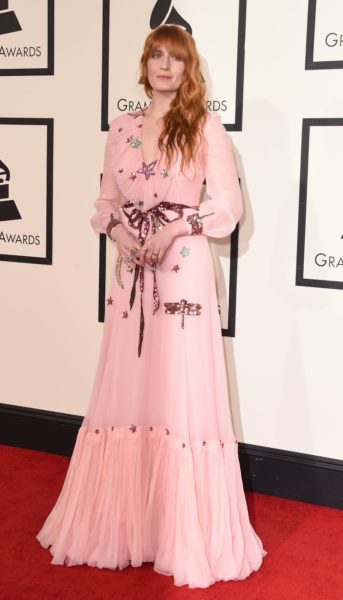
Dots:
pixel 182 124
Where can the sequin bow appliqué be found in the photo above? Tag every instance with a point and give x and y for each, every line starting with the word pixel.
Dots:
pixel 145 222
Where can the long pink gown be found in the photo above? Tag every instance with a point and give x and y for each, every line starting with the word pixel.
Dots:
pixel 154 475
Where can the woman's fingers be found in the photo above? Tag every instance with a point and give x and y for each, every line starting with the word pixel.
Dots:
pixel 153 255
pixel 161 256
pixel 130 255
pixel 141 256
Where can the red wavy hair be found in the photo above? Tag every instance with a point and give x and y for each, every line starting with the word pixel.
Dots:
pixel 184 120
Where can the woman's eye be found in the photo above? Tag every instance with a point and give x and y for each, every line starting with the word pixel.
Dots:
pixel 156 55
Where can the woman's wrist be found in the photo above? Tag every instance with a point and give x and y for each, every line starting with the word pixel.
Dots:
pixel 178 227
pixel 111 225
pixel 115 230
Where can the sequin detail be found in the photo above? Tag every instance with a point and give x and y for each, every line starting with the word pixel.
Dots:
pixel 136 143
pixel 164 173
pixel 125 314
pixel 185 251
pixel 176 268
pixel 133 176
pixel 135 428
pixel 183 308
pixel 155 195
pixel 110 300
pixel 138 113
pixel 120 170
pixel 196 223
pixel 147 170
pixel 129 139
pixel 118 272
pixel 147 221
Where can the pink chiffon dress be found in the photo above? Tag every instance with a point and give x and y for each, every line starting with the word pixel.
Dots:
pixel 154 475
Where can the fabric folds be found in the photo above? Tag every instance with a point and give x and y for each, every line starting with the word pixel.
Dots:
pixel 139 494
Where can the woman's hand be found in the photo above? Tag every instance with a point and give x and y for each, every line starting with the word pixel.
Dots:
pixel 128 245
pixel 157 245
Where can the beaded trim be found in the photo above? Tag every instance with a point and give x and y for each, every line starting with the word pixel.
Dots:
pixel 133 429
pixel 111 224
pixel 196 223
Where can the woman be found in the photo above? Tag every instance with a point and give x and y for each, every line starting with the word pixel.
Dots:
pixel 155 475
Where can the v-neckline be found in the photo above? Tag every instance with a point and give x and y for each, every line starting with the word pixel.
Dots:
pixel 157 157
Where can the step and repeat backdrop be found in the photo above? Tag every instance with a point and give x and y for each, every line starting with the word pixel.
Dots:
pixel 274 74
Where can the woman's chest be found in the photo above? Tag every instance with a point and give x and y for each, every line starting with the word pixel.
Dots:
pixel 147 178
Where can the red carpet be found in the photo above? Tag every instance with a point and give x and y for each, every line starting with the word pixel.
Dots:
pixel 304 544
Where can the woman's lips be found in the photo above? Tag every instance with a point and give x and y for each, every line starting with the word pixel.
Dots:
pixel 163 77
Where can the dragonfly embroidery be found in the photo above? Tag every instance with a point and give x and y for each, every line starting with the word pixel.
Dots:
pixel 182 308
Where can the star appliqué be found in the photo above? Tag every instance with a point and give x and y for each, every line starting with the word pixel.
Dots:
pixel 147 170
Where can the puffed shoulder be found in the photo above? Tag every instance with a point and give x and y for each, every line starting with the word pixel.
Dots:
pixel 117 126
pixel 215 135
pixel 214 126
pixel 121 125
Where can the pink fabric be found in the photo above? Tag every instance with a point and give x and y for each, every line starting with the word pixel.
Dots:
pixel 155 474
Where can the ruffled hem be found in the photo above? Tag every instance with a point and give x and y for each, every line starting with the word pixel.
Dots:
pixel 139 494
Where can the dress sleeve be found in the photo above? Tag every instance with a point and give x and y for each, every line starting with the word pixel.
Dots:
pixel 222 184
pixel 108 201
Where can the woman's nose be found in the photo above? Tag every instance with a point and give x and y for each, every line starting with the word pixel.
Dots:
pixel 165 62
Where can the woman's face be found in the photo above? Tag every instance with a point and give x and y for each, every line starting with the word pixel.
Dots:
pixel 165 71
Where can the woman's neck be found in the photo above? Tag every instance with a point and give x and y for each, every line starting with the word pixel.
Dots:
pixel 159 105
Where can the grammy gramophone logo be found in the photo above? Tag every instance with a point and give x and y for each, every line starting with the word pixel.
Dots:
pixel 8 19
pixel 165 13
pixel 8 208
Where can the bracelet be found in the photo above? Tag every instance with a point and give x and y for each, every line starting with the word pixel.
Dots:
pixel 196 223
pixel 112 223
